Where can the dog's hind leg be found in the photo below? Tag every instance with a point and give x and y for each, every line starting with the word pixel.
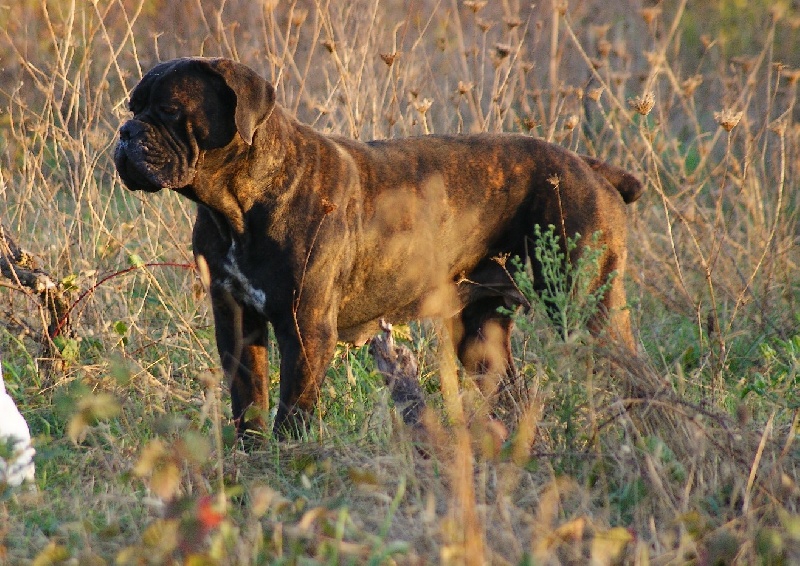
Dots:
pixel 482 339
pixel 614 317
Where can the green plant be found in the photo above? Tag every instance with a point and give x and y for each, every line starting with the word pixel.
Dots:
pixel 564 288
pixel 565 296
pixel 779 380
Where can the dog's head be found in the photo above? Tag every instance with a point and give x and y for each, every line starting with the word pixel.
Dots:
pixel 183 108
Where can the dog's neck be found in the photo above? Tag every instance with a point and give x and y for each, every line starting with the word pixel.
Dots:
pixel 232 195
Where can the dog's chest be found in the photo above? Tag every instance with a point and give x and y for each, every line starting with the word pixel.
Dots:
pixel 237 282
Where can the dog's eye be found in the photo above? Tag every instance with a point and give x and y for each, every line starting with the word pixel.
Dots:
pixel 171 112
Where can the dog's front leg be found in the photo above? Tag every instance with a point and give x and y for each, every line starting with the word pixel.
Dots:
pixel 242 344
pixel 307 340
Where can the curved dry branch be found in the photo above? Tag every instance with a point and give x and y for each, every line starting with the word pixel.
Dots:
pixel 20 267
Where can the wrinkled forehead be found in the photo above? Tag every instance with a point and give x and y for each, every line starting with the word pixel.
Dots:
pixel 177 85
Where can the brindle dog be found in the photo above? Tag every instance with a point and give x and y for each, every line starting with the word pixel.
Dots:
pixel 323 236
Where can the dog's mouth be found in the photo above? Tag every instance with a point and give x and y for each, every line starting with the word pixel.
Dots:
pixel 132 176
pixel 144 164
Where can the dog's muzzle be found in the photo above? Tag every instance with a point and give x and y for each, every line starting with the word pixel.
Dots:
pixel 149 160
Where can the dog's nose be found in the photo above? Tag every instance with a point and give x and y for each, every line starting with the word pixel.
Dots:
pixel 129 130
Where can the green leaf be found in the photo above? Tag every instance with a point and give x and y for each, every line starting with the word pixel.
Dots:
pixel 135 260
pixel 69 282
pixel 121 328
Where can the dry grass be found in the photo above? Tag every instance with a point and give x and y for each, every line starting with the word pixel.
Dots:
pixel 686 453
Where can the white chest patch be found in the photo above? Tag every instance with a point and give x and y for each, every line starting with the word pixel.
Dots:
pixel 238 285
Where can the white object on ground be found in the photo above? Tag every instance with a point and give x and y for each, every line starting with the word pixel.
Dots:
pixel 16 436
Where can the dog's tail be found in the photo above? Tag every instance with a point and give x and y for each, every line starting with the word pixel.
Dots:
pixel 628 186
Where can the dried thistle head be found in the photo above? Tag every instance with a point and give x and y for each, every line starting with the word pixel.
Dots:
pixel 422 106
pixel 595 93
pixel 650 14
pixel 603 48
pixel 530 123
pixel 502 50
pixel 389 58
pixel 747 63
pixel 727 118
pixel 792 75
pixel 501 259
pixel 643 104
pixel 465 87
pixel 475 5
pixel 512 22
pixel 329 45
pixel 571 121
pixel 299 16
pixel 778 126
pixel 691 84
pixel 484 25
pixel 654 58
pixel 599 31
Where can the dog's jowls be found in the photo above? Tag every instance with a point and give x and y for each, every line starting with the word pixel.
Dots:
pixel 323 236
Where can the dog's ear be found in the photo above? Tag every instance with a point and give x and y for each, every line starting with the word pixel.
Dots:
pixel 255 96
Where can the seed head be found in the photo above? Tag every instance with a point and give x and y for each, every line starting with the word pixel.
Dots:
pixel 389 58
pixel 422 106
pixel 727 118
pixel 643 104
pixel 595 93
pixel 571 121
pixel 298 16
pixel 502 50
pixel 778 126
pixel 501 259
pixel 475 5
pixel 792 75
pixel 464 87
pixel 603 48
pixel 691 84
pixel 650 14
pixel 484 25
pixel 529 122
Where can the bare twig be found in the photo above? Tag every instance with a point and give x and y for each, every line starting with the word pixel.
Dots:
pixel 20 267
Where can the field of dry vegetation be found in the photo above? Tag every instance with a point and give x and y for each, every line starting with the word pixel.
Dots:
pixel 687 453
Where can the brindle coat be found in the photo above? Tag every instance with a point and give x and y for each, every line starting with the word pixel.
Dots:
pixel 323 236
